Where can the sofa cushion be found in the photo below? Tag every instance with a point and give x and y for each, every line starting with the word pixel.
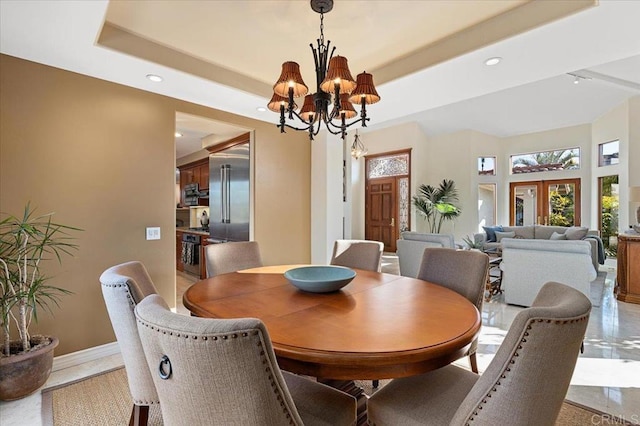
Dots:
pixel 576 232
pixel 544 232
pixel 556 236
pixel 501 235
pixel 527 231
pixel 491 232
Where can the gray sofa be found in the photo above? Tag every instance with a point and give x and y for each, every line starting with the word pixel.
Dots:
pixel 543 232
pixel 527 264
pixel 411 247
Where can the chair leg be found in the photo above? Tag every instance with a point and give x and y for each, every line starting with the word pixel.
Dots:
pixel 375 383
pixel 139 415
pixel 474 362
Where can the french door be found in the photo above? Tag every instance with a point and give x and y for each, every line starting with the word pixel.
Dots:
pixel 545 202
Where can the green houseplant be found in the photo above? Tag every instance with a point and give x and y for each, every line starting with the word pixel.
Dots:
pixel 437 204
pixel 473 243
pixel 25 243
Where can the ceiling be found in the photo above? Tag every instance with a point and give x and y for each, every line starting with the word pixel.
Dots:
pixel 426 56
pixel 197 133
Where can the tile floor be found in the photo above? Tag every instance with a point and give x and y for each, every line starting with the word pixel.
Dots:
pixel 607 375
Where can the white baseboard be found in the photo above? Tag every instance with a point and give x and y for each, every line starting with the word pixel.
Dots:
pixel 91 354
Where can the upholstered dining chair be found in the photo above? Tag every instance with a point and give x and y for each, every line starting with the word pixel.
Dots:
pixel 231 257
pixel 224 371
pixel 360 254
pixel 124 286
pixel 525 383
pixel 463 271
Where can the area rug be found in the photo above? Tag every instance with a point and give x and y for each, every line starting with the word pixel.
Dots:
pixel 100 400
pixel 104 400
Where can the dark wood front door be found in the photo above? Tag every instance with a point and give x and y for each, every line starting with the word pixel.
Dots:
pixel 380 221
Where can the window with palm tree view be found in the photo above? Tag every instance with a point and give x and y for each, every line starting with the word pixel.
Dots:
pixel 562 159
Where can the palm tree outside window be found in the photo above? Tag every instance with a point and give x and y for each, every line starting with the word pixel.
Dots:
pixel 566 159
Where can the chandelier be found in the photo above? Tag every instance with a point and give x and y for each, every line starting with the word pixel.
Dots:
pixel 336 90
pixel 357 148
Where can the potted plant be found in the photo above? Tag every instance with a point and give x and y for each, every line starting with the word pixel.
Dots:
pixel 473 244
pixel 25 242
pixel 437 204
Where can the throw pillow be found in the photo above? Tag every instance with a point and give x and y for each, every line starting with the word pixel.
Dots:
pixel 576 232
pixel 491 232
pixel 556 236
pixel 501 235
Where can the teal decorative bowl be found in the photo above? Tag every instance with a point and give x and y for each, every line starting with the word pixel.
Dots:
pixel 320 279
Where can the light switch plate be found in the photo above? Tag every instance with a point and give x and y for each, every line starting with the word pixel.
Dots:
pixel 153 233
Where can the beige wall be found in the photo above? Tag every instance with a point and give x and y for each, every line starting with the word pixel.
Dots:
pixel 102 156
pixel 634 155
pixel 614 125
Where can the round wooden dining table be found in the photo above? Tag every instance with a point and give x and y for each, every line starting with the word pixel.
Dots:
pixel 379 326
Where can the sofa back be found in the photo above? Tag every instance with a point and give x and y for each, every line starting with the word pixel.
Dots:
pixel 527 231
pixel 442 240
pixel 543 232
pixel 528 264
pixel 562 246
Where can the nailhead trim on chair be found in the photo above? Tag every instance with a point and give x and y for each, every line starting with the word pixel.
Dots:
pixel 129 296
pixel 516 354
pixel 132 303
pixel 262 354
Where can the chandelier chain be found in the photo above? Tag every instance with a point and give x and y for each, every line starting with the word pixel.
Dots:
pixel 321 26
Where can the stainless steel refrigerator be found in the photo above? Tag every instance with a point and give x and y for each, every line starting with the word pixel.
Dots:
pixel 229 194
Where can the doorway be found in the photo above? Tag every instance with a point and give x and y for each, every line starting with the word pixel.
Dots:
pixel 387 184
pixel 487 202
pixel 545 202
pixel 608 205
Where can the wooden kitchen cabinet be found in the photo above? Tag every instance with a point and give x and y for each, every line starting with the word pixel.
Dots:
pixel 204 176
pixel 628 281
pixel 196 172
pixel 179 265
pixel 203 263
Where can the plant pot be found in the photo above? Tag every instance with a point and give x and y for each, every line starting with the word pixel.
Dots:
pixel 23 374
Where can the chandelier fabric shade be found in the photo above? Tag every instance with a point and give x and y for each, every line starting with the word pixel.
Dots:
pixel 346 108
pixel 338 74
pixel 336 92
pixel 308 110
pixel 290 77
pixel 277 101
pixel 365 90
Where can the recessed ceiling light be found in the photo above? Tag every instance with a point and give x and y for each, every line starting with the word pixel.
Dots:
pixel 261 109
pixel 154 78
pixel 493 61
pixel 178 135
